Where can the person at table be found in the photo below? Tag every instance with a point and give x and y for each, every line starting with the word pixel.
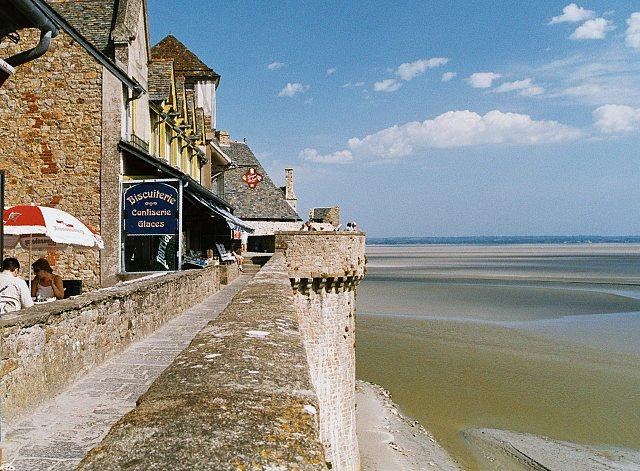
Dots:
pixel 14 292
pixel 46 284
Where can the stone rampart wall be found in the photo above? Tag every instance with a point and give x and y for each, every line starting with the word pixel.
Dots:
pixel 239 397
pixel 46 347
pixel 324 269
pixel 316 254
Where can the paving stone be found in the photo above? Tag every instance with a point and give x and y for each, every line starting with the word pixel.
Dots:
pixel 58 434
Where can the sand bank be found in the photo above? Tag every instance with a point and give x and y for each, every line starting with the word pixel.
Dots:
pixel 503 450
pixel 390 441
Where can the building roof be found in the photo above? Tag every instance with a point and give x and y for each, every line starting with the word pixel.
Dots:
pixel 93 19
pixel 185 62
pixel 266 201
pixel 159 83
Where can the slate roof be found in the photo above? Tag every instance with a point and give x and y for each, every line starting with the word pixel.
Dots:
pixel 93 19
pixel 160 80
pixel 266 201
pixel 185 62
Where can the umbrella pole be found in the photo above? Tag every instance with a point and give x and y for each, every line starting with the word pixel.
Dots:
pixel 30 243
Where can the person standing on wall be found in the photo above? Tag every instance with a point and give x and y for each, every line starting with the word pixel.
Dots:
pixel 14 292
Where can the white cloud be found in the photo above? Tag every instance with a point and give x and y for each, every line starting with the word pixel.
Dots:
pixel 448 76
pixel 511 86
pixel 459 129
pixel 632 36
pixel 616 119
pixel 526 87
pixel 388 85
pixel 483 79
pixel 275 65
pixel 339 157
pixel 358 84
pixel 593 29
pixel 410 70
pixel 449 130
pixel 572 13
pixel 291 89
pixel 331 71
pixel 346 85
pixel 532 91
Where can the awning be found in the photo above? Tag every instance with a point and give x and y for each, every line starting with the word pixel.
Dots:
pixel 234 222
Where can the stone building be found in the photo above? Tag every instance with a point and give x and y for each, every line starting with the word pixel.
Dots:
pixel 330 215
pixel 261 203
pixel 74 137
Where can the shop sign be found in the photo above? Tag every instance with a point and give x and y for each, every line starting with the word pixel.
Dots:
pixel 151 209
pixel 252 178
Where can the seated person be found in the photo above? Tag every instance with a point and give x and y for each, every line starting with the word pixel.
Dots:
pixel 14 292
pixel 46 285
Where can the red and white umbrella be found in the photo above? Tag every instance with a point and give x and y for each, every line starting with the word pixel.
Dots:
pixel 41 227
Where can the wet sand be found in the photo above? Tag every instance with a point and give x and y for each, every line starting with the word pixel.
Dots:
pixel 388 440
pixel 467 355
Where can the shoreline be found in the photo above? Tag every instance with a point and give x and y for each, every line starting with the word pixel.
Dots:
pixel 389 440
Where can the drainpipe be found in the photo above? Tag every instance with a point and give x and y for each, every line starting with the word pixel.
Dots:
pixel 35 18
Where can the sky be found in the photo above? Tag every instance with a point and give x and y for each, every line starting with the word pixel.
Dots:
pixel 439 118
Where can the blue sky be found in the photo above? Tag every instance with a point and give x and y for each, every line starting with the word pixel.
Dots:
pixel 538 131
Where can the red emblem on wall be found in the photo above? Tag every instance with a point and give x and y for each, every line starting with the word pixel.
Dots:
pixel 252 178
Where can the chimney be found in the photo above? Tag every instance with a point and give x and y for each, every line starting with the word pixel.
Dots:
pixel 223 138
pixel 289 195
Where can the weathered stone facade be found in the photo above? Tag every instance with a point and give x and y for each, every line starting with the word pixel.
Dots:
pixel 45 347
pixel 50 142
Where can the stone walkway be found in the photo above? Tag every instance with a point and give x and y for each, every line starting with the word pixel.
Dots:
pixel 59 433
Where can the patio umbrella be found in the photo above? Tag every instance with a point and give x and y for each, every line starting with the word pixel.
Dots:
pixel 41 227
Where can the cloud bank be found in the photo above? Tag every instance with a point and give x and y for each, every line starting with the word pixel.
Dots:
pixel 449 130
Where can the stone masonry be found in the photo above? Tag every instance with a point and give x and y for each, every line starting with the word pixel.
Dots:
pixel 50 126
pixel 239 397
pixel 44 348
pixel 268 385
pixel 324 269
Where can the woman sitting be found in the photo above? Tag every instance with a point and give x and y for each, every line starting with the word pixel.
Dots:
pixel 46 285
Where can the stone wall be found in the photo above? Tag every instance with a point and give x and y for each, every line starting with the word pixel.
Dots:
pixel 44 348
pixel 228 273
pixel 50 130
pixel 238 398
pixel 324 269
pixel 268 384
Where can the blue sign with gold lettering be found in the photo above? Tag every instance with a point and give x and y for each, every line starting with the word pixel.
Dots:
pixel 151 209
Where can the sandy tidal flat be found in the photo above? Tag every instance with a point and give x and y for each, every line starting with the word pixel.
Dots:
pixel 390 441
